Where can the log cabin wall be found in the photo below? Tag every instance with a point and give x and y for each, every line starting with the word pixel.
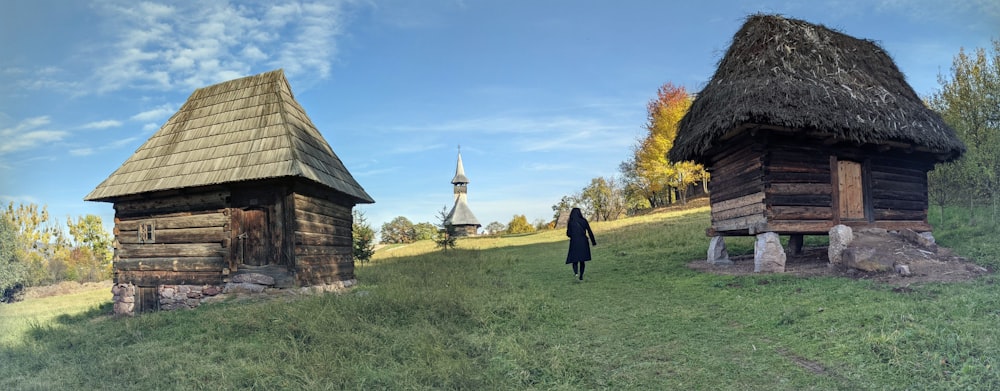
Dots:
pixel 466 230
pixel 172 239
pixel 323 249
pixel 789 185
pixel 798 188
pixel 736 190
pixel 899 190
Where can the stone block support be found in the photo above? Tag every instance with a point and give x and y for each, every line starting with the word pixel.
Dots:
pixel 768 255
pixel 717 253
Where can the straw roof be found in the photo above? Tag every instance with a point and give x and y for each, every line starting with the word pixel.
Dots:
pixel 793 75
pixel 461 214
pixel 241 130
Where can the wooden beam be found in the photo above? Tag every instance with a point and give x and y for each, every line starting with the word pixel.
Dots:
pixel 214 218
pixel 747 210
pixel 177 236
pixel 153 278
pixel 191 264
pixel 738 202
pixel 310 239
pixel 159 250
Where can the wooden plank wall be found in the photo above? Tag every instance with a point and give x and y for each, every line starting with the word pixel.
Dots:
pixel 736 188
pixel 323 241
pixel 798 185
pixel 899 188
pixel 191 235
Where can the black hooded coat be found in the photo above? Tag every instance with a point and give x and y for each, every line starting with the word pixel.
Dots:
pixel 578 230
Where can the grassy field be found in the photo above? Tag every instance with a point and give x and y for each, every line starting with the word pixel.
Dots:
pixel 506 313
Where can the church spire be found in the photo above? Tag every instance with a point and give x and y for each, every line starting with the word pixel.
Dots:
pixel 461 217
pixel 460 177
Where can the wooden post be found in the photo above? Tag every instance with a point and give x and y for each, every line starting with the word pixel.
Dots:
pixel 795 244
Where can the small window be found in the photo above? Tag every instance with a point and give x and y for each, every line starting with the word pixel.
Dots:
pixel 147 232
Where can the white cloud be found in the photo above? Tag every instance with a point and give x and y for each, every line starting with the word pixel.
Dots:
pixel 150 127
pixel 19 199
pixel 189 45
pixel 108 123
pixel 81 151
pixel 159 112
pixel 548 167
pixel 28 134
pixel 532 134
pixel 86 151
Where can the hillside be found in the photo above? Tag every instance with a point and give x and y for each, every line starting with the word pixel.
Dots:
pixel 506 313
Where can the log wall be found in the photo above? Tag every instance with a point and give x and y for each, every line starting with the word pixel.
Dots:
pixel 736 189
pixel 788 185
pixel 323 242
pixel 189 244
pixel 799 189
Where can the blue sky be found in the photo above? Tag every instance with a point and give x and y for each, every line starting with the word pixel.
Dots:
pixel 541 95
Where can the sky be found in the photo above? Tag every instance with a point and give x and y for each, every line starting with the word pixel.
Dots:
pixel 541 95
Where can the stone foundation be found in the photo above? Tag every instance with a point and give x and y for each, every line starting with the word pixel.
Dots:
pixel 123 298
pixel 174 297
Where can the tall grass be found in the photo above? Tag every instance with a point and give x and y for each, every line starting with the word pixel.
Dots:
pixel 506 313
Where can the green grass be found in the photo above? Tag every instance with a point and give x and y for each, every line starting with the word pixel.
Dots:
pixel 505 313
pixel 18 317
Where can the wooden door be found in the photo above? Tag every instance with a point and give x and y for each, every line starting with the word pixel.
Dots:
pixel 851 190
pixel 253 237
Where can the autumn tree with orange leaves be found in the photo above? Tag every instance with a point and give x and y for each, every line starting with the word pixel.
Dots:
pixel 649 173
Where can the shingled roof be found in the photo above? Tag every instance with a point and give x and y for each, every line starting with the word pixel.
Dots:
pixel 461 214
pixel 241 130
pixel 803 77
pixel 459 172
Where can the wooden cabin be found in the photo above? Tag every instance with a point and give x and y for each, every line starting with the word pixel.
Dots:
pixel 803 128
pixel 239 178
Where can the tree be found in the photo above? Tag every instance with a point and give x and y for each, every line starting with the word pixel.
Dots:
pixel 519 225
pixel 90 257
pixel 446 237
pixel 399 230
pixel 969 102
pixel 89 231
pixel 38 241
pixel 495 228
pixel 636 194
pixel 565 204
pixel 363 237
pixel 424 231
pixel 648 171
pixel 13 273
pixel 604 199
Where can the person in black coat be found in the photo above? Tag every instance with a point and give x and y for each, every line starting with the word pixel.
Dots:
pixel 578 230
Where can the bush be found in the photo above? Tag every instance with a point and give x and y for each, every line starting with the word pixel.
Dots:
pixel 519 225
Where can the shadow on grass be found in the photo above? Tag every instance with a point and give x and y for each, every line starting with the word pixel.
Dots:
pixel 512 316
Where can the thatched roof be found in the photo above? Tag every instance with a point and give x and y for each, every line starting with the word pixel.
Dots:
pixel 236 131
pixel 461 214
pixel 797 76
